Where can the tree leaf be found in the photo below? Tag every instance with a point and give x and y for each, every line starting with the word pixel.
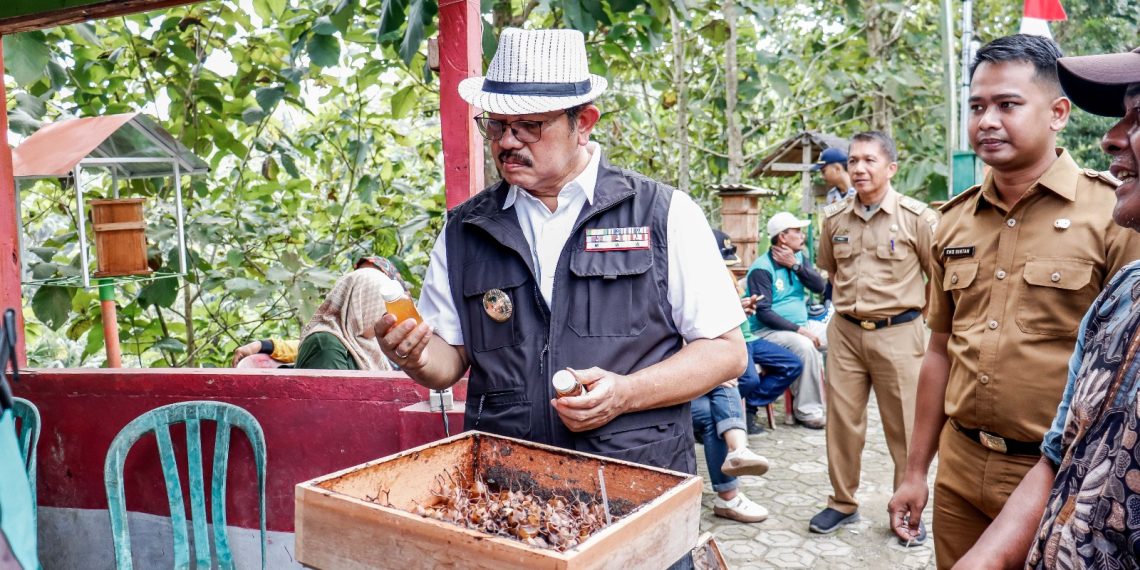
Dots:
pixel 403 101
pixel 324 51
pixel 160 293
pixel 341 16
pixel 278 274
pixel 26 56
pixel 170 344
pixel 51 305
pixel 324 26
pixel 268 97
pixel 391 16
pixel 414 34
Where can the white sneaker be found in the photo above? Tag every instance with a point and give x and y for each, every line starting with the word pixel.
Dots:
pixel 740 509
pixel 744 462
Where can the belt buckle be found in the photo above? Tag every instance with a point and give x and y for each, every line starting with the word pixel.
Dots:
pixel 992 442
pixel 867 325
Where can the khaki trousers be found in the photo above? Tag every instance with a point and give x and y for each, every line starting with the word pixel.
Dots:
pixel 886 360
pixel 972 485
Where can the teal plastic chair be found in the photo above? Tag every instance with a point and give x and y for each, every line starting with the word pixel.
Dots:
pixel 159 421
pixel 28 436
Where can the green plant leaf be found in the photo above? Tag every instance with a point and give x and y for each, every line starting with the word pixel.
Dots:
pixel 170 344
pixel 324 51
pixel 414 34
pixel 51 305
pixel 160 293
pixel 26 56
pixel 342 15
pixel 403 101
pixel 324 26
pixel 268 97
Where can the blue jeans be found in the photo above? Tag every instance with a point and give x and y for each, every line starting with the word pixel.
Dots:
pixel 713 414
pixel 781 367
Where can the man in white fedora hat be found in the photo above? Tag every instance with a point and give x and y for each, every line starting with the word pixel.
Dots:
pixel 570 262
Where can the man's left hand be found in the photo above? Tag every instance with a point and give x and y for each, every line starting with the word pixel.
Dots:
pixel 604 400
pixel 783 255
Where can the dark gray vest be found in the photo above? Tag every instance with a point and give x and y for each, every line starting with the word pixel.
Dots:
pixel 611 310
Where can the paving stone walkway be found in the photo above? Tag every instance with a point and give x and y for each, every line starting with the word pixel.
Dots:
pixel 794 490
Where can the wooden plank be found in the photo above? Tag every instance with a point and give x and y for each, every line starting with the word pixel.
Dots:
pixel 34 15
pixel 10 296
pixel 460 57
pixel 791 166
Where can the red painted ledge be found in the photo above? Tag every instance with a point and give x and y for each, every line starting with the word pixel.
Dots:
pixel 315 422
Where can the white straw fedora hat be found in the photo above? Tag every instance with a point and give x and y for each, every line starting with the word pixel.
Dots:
pixel 534 71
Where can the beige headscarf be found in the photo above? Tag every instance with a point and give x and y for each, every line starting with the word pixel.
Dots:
pixel 351 309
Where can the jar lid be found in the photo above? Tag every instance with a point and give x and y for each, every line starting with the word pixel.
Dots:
pixel 390 289
pixel 563 381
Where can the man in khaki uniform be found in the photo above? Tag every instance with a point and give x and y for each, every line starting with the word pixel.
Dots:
pixel 876 248
pixel 1018 261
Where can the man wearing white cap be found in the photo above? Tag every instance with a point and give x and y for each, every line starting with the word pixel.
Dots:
pixel 570 262
pixel 781 279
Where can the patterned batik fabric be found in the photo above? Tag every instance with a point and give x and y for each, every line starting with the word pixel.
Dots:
pixel 1092 519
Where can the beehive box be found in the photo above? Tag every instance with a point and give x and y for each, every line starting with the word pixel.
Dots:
pixel 338 524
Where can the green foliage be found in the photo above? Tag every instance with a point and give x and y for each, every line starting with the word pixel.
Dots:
pixel 320 123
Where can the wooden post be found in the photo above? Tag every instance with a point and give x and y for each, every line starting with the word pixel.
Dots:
pixel 460 57
pixel 805 178
pixel 9 228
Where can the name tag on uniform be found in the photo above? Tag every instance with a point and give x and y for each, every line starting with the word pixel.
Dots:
pixel 959 251
pixel 617 239
pixel 840 239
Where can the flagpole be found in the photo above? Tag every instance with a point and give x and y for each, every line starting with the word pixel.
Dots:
pixel 964 103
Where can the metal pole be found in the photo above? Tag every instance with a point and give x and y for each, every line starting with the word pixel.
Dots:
pixel 179 218
pixel 110 323
pixel 967 41
pixel 77 172
pixel 948 85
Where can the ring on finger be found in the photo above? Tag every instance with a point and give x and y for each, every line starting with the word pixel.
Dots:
pixel 397 351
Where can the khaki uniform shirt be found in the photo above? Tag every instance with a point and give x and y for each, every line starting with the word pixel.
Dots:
pixel 1012 287
pixel 876 260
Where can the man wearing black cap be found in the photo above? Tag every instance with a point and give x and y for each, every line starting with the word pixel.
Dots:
pixel 1085 490
pixel 833 166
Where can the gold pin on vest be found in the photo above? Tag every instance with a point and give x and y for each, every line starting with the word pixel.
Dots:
pixel 498 305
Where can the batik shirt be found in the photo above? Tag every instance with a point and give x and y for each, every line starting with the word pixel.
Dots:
pixel 1092 519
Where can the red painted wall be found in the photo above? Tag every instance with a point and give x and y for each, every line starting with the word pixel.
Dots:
pixel 315 422
pixel 460 57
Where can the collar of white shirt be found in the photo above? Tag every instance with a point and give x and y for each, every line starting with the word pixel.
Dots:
pixel 586 180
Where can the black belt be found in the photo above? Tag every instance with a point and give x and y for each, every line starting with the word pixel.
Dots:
pixel 903 317
pixel 998 443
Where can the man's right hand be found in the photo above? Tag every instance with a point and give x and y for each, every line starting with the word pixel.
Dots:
pixel 810 335
pixel 404 343
pixel 905 507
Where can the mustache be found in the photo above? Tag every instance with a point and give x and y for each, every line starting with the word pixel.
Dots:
pixel 516 157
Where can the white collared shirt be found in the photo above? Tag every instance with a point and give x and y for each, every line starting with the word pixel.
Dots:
pixel 704 303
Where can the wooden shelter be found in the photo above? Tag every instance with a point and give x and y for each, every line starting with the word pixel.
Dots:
pixel 740 219
pixel 796 155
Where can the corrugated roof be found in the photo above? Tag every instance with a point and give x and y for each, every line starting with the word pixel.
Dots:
pixel 119 141
pixel 790 150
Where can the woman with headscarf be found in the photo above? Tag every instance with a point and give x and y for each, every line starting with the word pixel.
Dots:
pixel 340 335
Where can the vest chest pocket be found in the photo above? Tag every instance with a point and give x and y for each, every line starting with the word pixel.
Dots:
pixel 484 333
pixel 610 292
pixel 1056 294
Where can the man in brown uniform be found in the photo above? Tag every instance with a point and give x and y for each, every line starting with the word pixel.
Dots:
pixel 876 248
pixel 1018 261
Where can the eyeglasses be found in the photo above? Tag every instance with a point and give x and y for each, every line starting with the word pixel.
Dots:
pixel 525 131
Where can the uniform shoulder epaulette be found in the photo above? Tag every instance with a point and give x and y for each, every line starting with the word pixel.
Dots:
pixel 960 198
pixel 836 208
pixel 1105 177
pixel 916 206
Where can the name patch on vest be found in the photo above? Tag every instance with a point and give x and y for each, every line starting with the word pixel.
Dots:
pixel 958 251
pixel 617 239
pixel 840 239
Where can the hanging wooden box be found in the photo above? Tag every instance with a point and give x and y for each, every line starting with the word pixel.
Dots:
pixel 336 527
pixel 120 237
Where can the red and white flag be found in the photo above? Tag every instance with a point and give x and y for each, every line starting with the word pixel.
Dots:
pixel 1038 14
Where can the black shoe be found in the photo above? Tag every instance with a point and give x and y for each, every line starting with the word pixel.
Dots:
pixel 918 540
pixel 829 520
pixel 752 419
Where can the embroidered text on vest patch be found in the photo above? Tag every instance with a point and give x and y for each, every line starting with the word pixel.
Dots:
pixel 617 239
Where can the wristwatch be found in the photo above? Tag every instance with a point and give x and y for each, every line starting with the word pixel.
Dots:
pixel 796 268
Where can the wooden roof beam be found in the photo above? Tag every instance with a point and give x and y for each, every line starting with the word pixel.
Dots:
pixel 27 15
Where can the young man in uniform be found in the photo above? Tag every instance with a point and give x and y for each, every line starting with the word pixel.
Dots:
pixel 570 262
pixel 832 165
pixel 1019 259
pixel 1085 482
pixel 876 249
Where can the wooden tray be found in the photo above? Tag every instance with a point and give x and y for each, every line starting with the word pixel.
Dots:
pixel 337 527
